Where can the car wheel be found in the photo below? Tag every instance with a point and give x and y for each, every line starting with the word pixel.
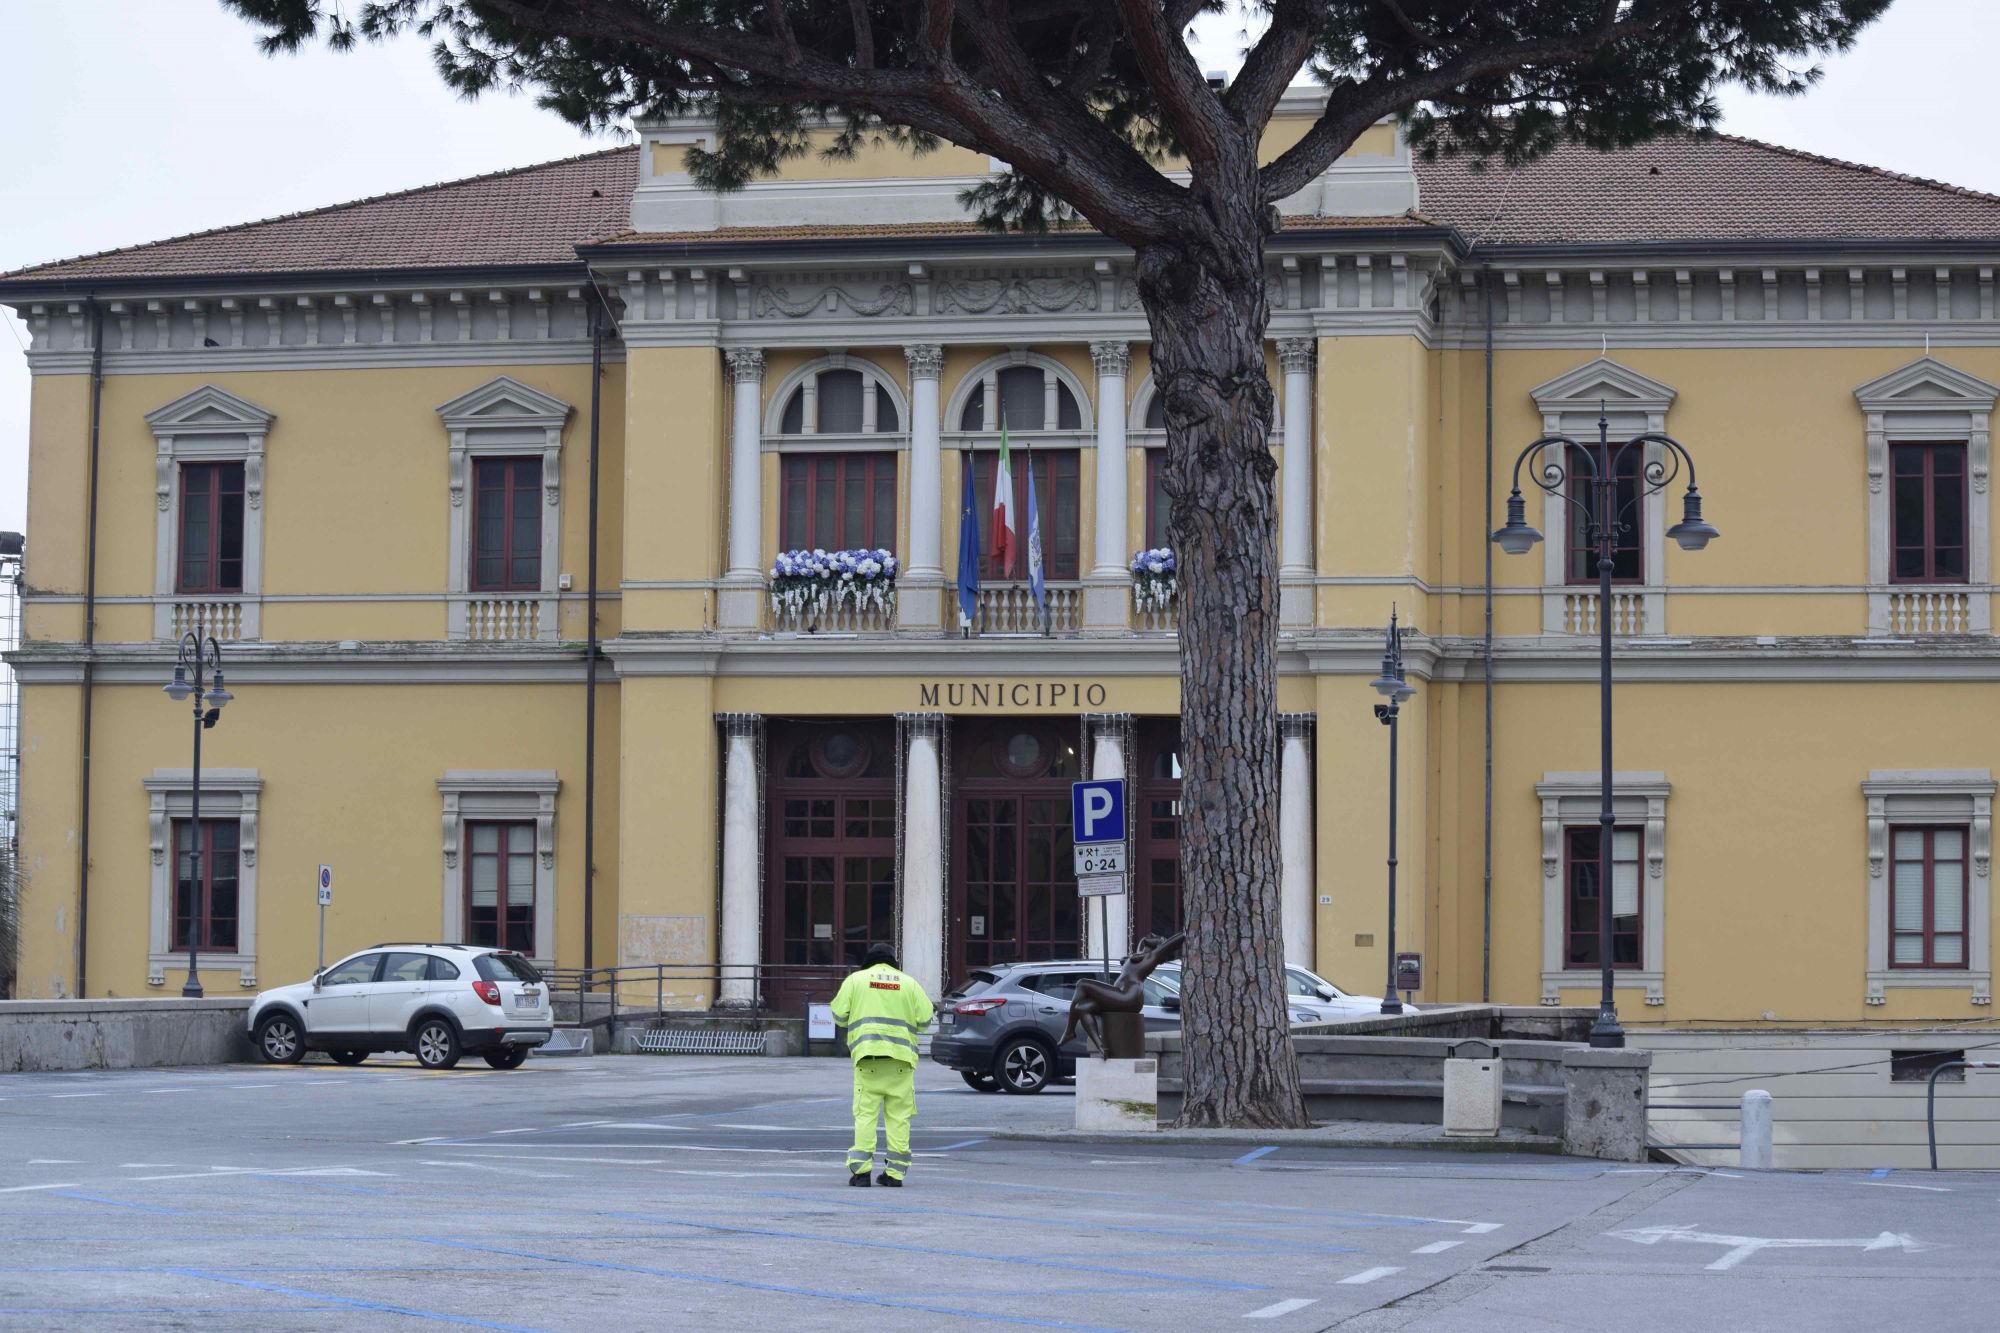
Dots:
pixel 1024 1066
pixel 280 1041
pixel 979 1080
pixel 348 1057
pixel 510 1058
pixel 436 1043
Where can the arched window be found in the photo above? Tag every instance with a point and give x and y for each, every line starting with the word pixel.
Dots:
pixel 838 423
pixel 1047 414
pixel 840 402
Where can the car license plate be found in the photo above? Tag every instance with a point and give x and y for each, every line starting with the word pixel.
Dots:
pixel 944 1020
pixel 528 999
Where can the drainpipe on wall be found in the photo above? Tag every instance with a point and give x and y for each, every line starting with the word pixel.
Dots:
pixel 1486 675
pixel 590 654
pixel 89 656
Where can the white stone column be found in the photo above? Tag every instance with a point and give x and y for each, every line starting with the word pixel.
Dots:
pixel 1295 570
pixel 1108 600
pixel 742 886
pixel 741 599
pixel 1107 760
pixel 1295 837
pixel 923 852
pixel 920 589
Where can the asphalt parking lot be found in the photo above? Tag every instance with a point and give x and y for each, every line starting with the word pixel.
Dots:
pixel 708 1193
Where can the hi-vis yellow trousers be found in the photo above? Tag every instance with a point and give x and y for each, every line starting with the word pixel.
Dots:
pixel 882 1084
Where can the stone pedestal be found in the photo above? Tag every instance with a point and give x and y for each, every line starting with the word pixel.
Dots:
pixel 1117 1094
pixel 1604 1103
pixel 1107 604
pixel 920 602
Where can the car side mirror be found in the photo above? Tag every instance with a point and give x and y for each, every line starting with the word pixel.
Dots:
pixel 316 979
pixel 1325 992
pixel 1172 1004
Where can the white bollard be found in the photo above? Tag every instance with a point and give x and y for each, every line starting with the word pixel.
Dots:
pixel 1756 1151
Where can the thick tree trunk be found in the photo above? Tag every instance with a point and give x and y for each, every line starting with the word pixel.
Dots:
pixel 1205 298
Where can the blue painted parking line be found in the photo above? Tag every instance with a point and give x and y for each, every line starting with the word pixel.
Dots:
pixel 117 1203
pixel 985 1256
pixel 1252 1156
pixel 745 1284
pixel 349 1302
pixel 954 1147
pixel 1061 1220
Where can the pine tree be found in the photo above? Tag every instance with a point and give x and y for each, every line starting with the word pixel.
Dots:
pixel 1085 99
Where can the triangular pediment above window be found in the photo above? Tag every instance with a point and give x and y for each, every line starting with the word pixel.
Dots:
pixel 1927 383
pixel 504 401
pixel 1603 381
pixel 209 410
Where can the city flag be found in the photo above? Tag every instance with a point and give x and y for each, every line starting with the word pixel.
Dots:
pixel 1035 548
pixel 1004 527
pixel 968 549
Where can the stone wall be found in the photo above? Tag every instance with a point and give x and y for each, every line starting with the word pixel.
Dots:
pixel 43 1035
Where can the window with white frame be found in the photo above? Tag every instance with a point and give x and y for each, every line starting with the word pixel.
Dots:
pixel 1930 844
pixel 499 884
pixel 1048 417
pixel 1631 404
pixel 1573 893
pixel 208 536
pixel 204 877
pixel 505 554
pixel 1928 451
pixel 839 424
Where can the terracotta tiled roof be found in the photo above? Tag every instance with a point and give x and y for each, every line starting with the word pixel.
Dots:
pixel 1721 189
pixel 1724 188
pixel 527 215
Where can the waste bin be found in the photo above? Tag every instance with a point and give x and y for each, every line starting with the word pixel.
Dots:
pixel 1472 1089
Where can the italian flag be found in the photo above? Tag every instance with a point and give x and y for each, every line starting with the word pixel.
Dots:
pixel 1004 529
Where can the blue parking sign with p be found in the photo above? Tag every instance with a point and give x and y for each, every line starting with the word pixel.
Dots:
pixel 1097 810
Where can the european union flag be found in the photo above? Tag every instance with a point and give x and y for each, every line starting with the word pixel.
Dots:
pixel 968 551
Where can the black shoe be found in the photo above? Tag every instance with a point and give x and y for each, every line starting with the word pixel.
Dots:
pixel 886 1179
pixel 859 1180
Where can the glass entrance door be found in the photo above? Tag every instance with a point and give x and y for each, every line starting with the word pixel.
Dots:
pixel 1014 882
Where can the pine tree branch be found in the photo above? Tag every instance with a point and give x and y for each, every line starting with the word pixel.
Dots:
pixel 1353 108
pixel 1274 61
pixel 1179 88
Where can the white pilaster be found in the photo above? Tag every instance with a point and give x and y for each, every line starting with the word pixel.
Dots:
pixel 739 605
pixel 920 590
pixel 740 886
pixel 1295 837
pixel 1108 600
pixel 923 854
pixel 1295 573
pixel 1113 939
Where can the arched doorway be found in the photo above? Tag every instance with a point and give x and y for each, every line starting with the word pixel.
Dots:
pixel 830 875
pixel 1157 876
pixel 1013 893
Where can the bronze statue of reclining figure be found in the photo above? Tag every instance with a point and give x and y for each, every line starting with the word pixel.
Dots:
pixel 1126 995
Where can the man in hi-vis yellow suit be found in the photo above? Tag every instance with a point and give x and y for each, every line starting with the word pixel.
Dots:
pixel 883 1010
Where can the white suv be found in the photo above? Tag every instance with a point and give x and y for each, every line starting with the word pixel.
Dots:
pixel 438 1001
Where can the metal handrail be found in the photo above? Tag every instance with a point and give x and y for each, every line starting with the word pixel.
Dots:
pixel 1930 1097
pixel 815 981
pixel 1753 1134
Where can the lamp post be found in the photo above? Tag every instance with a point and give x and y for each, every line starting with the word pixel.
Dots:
pixel 204 656
pixel 1393 686
pixel 1598 467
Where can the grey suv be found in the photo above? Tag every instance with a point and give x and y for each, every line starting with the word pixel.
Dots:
pixel 999 1029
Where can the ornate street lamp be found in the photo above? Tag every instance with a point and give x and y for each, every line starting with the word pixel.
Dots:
pixel 200 658
pixel 1598 468
pixel 1393 686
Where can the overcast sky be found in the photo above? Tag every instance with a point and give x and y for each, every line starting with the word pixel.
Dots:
pixel 133 120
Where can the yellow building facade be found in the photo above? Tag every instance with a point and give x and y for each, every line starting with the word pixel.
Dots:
pixel 356 446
